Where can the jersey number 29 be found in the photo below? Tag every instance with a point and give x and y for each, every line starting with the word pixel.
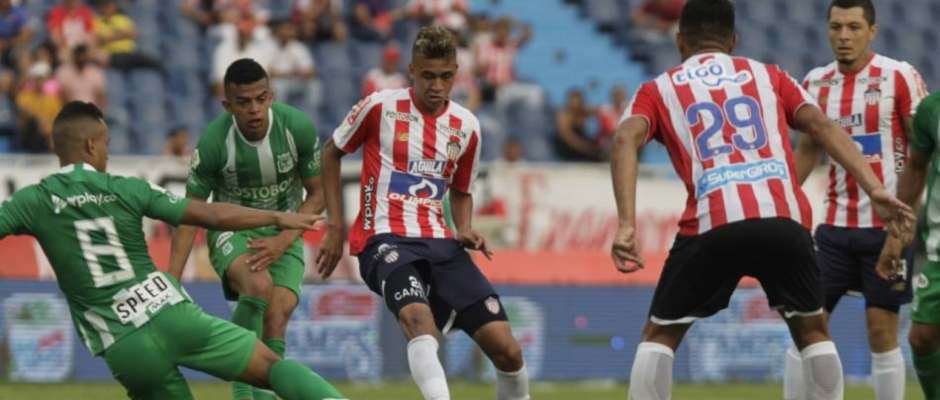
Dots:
pixel 727 112
pixel 93 252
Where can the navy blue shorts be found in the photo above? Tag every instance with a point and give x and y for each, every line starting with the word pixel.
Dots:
pixel 449 278
pixel 847 259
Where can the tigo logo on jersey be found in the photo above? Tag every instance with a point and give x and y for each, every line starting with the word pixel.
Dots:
pixel 416 189
pixel 712 74
pixel 870 145
pixel 740 173
pixel 426 167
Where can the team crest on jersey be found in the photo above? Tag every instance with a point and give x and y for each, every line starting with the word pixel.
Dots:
pixel 713 75
pixel 285 162
pixel 453 148
pixel 872 95
pixel 492 305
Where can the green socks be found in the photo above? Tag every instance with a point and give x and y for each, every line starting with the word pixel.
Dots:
pixel 277 346
pixel 249 314
pixel 928 373
pixel 293 381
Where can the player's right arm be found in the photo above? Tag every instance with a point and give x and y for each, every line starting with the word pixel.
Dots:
pixel 806 156
pixel 203 179
pixel 361 123
pixel 14 215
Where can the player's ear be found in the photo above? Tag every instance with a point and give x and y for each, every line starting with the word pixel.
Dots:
pixel 733 43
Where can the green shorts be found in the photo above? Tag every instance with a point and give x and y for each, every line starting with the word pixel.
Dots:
pixel 926 306
pixel 146 361
pixel 225 247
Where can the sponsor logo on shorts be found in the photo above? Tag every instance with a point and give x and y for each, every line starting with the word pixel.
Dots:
pixel 388 253
pixel 492 304
pixel 921 281
pixel 135 303
pixel 416 290
pixel 227 249
pixel 740 173
pixel 223 237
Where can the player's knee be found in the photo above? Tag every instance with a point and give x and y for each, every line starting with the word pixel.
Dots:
pixel 509 357
pixel 923 340
pixel 259 285
pixel 882 338
pixel 416 319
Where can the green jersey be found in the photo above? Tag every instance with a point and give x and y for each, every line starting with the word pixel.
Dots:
pixel 926 139
pixel 89 225
pixel 267 174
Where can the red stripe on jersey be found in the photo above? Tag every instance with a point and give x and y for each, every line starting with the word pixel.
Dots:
pixel 872 114
pixel 369 181
pixel 396 208
pixel 428 152
pixel 465 164
pixel 716 202
pixel 777 191
pixel 831 192
pixel 689 224
pixel 851 187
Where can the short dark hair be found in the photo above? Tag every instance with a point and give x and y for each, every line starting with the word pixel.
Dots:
pixel 435 42
pixel 70 126
pixel 867 7
pixel 244 71
pixel 75 110
pixel 707 20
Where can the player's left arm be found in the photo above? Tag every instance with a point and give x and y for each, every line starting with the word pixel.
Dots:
pixel 13 215
pixel 461 201
pixel 269 250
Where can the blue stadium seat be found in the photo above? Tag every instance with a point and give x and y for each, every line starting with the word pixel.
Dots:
pixel 5 144
pixel 605 12
pixel 363 56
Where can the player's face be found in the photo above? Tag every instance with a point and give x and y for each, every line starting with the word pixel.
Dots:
pixel 850 34
pixel 433 79
pixel 250 104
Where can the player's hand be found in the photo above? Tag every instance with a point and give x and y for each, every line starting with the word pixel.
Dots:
pixel 474 241
pixel 625 252
pixel 289 220
pixel 266 252
pixel 331 251
pixel 898 217
pixel 890 261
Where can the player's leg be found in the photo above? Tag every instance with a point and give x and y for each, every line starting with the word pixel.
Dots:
pixel 287 275
pixel 220 348
pixel 697 281
pixel 925 330
pixel 142 366
pixel 495 339
pixel 229 256
pixel 788 273
pixel 839 272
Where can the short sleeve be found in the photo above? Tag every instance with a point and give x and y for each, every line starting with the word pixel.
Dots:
pixel 363 120
pixel 13 214
pixel 791 94
pixel 468 164
pixel 154 201
pixel 204 167
pixel 909 90
pixel 644 105
pixel 307 142
pixel 926 126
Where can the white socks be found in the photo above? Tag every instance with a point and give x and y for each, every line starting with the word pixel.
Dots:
pixel 651 376
pixel 426 368
pixel 793 376
pixel 822 372
pixel 512 385
pixel 887 374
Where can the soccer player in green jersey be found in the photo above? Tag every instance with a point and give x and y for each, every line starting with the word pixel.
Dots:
pixel 925 309
pixel 141 320
pixel 259 154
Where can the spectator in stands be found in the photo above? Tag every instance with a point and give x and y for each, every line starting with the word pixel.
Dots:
pixel 199 11
pixel 15 31
pixel 7 111
pixel 293 72
pixel 451 14
pixel 116 34
pixel 38 102
pixel 177 143
pixel 573 142
pixel 496 57
pixel 657 20
pixel 386 76
pixel 371 20
pixel 71 23
pixel 608 115
pixel 245 45
pixel 320 20
pixel 513 151
pixel 466 90
pixel 81 79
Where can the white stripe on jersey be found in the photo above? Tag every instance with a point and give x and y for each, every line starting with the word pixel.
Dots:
pixel 415 150
pixel 101 327
pixel 386 149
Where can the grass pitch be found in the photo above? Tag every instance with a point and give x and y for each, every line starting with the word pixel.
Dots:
pixel 459 391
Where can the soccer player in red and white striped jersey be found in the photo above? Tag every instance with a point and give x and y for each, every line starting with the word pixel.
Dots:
pixel 724 121
pixel 873 98
pixel 418 145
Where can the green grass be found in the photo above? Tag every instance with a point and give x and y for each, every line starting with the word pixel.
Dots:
pixel 460 391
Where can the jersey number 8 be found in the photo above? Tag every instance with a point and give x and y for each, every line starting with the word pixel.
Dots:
pixel 730 112
pixel 93 252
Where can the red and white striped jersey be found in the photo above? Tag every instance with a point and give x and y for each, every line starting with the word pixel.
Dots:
pixel 871 105
pixel 724 121
pixel 410 159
